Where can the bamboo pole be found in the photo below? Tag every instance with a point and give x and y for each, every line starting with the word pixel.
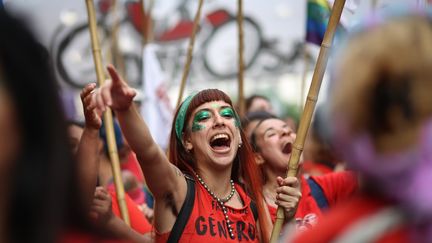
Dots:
pixel 310 105
pixel 241 100
pixel 108 120
pixel 189 53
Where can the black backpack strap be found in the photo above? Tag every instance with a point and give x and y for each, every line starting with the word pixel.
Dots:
pixel 254 210
pixel 318 194
pixel 185 212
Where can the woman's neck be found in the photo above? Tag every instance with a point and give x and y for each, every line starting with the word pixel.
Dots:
pixel 218 181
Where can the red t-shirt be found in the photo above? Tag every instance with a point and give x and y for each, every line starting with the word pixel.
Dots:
pixel 138 221
pixel 312 168
pixel 338 220
pixel 338 186
pixel 207 222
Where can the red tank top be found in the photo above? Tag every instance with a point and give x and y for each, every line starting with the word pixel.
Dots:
pixel 207 223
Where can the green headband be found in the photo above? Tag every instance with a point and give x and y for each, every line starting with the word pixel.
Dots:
pixel 181 116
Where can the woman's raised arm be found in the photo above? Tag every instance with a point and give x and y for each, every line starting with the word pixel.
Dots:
pixel 162 177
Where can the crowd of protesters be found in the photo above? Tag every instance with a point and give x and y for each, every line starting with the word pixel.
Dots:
pixel 364 175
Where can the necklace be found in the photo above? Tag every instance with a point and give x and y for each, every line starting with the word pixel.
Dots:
pixel 221 201
pixel 269 195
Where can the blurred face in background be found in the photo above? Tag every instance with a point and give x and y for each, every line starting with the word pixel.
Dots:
pixel 274 139
pixel 9 130
pixel 260 104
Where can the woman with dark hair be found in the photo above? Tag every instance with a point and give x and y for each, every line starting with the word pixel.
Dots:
pixel 209 189
pixel 380 119
pixel 40 198
pixel 272 139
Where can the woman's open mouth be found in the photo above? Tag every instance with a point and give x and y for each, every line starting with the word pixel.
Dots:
pixel 287 148
pixel 220 142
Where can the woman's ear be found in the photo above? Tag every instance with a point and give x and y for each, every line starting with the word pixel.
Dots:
pixel 187 143
pixel 259 159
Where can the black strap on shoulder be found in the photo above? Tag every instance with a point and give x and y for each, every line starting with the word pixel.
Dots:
pixel 318 194
pixel 254 210
pixel 185 212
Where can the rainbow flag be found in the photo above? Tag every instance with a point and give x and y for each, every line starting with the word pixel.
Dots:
pixel 318 14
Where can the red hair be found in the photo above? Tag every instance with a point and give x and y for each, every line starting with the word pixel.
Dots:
pixel 245 171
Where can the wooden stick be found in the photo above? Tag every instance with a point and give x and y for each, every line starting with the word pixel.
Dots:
pixel 310 105
pixel 189 53
pixel 108 120
pixel 241 101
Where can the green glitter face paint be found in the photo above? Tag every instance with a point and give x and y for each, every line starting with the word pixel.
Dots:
pixel 228 112
pixel 200 116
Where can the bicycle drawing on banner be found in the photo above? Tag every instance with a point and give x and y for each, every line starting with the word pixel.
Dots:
pixel 215 53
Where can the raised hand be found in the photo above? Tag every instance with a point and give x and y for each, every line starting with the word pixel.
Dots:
pixel 101 206
pixel 115 93
pixel 288 195
pixel 92 115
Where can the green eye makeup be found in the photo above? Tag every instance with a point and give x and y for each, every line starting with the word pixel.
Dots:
pixel 200 116
pixel 229 112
